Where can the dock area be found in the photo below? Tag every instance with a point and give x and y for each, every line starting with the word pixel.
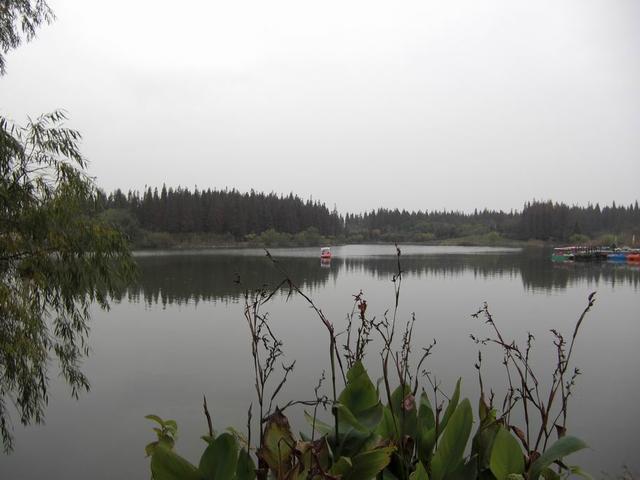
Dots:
pixel 587 253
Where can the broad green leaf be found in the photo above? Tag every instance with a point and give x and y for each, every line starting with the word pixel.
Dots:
pixel 482 442
pixel 277 443
pixel 360 397
pixel 426 432
pixel 420 473
pixel 426 419
pixel 219 460
pixel 448 455
pixel 346 418
pixel 386 428
pixel 451 407
pixel 168 465
pixel 404 409
pixel 341 467
pixel 353 442
pixel 367 465
pixel 246 469
pixel 561 448
pixel 467 471
pixel 426 442
pixel 318 425
pixel 359 393
pixel 506 455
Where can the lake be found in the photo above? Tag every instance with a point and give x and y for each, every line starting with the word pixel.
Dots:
pixel 180 333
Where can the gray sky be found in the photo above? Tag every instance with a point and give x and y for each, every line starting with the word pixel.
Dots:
pixel 410 104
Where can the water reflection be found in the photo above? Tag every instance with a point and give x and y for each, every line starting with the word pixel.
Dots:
pixel 221 276
pixel 154 354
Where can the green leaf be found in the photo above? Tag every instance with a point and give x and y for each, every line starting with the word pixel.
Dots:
pixel 150 448
pixel 219 460
pixel 367 465
pixel 506 455
pixel 168 465
pixel 426 419
pixel 246 468
pixel 426 432
pixel 426 442
pixel 156 419
pixel 561 448
pixel 404 409
pixel 318 425
pixel 482 442
pixel 468 471
pixel 341 467
pixel 451 407
pixel 386 428
pixel 171 425
pixel 360 397
pixel 448 455
pixel 420 473
pixel 346 418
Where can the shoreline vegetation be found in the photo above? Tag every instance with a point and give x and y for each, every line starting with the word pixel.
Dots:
pixel 181 219
pixel 150 241
pixel 166 241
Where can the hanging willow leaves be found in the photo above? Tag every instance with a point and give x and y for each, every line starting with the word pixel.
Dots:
pixel 56 259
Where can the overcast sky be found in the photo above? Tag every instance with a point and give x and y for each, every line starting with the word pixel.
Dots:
pixel 410 104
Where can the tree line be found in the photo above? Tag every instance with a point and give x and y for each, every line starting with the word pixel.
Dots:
pixel 539 220
pixel 241 215
pixel 181 210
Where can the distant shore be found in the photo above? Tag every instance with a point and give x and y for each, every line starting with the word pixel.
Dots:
pixel 165 241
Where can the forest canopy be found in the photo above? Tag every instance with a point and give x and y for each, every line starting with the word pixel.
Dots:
pixel 240 216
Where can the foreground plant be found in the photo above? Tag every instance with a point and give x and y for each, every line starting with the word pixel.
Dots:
pixel 379 431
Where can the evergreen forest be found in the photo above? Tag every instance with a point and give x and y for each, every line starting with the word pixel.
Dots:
pixel 155 218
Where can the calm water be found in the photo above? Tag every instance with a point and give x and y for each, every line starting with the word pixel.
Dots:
pixel 180 333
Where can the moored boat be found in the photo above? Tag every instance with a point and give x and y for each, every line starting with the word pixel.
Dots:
pixel 633 257
pixel 563 254
pixel 590 255
pixel 617 256
pixel 325 252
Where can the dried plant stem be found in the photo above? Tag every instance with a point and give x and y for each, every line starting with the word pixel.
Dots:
pixel 525 388
pixel 206 413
